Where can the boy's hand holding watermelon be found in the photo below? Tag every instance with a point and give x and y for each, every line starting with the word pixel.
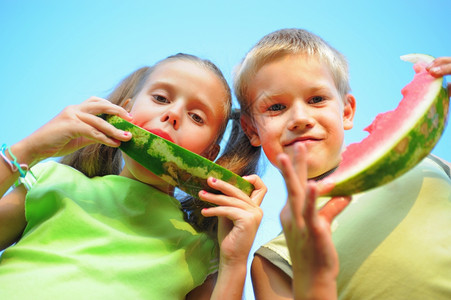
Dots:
pixel 441 67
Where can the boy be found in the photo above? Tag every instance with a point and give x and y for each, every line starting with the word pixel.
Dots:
pixel 393 242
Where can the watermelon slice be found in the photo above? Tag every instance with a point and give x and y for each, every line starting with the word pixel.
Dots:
pixel 174 164
pixel 398 139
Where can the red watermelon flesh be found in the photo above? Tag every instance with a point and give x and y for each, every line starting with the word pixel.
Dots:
pixel 397 139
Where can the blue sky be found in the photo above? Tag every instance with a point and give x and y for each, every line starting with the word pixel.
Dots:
pixel 57 53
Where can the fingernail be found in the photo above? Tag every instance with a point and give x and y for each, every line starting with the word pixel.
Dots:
pixel 435 70
pixel 126 133
pixel 214 179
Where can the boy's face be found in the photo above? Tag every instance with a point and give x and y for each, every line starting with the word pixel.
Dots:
pixel 294 100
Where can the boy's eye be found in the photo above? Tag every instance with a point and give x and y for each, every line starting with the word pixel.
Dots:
pixel 196 118
pixel 160 98
pixel 276 107
pixel 316 99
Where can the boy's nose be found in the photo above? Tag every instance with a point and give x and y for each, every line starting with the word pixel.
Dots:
pixel 300 118
pixel 173 116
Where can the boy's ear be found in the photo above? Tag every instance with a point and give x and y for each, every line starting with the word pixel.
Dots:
pixel 348 112
pixel 250 130
pixel 212 152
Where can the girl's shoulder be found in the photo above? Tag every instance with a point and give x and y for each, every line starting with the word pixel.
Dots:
pixel 51 165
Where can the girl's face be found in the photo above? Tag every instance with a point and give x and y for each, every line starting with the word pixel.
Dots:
pixel 295 100
pixel 183 102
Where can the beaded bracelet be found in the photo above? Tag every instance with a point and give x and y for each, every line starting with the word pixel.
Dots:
pixel 13 164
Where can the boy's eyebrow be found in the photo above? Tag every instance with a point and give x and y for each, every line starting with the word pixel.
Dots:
pixel 319 88
pixel 262 95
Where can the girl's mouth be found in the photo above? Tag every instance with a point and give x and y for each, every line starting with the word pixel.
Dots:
pixel 161 134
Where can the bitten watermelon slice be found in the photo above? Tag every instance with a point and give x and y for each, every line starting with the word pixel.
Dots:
pixel 174 164
pixel 398 139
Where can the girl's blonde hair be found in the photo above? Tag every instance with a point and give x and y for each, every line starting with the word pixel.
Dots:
pixel 239 155
pixel 284 42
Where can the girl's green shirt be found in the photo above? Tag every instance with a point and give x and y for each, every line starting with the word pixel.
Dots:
pixel 106 237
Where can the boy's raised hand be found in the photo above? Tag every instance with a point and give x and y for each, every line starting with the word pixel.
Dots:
pixel 239 217
pixel 307 230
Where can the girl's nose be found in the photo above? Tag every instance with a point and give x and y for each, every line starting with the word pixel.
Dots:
pixel 173 116
pixel 300 117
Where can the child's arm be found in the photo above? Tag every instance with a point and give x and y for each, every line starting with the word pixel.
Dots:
pixel 75 127
pixel 239 217
pixel 309 240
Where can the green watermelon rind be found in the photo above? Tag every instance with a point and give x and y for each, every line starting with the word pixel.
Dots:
pixel 176 165
pixel 408 150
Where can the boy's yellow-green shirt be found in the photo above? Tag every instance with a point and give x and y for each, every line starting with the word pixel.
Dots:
pixel 107 237
pixel 394 242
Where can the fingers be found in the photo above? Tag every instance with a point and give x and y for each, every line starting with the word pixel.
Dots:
pixel 310 211
pixel 228 191
pixel 295 176
pixel 86 123
pixel 325 186
pixel 97 106
pixel 333 207
pixel 440 67
pixel 102 131
pixel 292 183
pixel 232 202
pixel 300 163
pixel 260 188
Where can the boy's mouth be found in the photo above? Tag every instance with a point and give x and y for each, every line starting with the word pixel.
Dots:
pixel 303 139
pixel 161 134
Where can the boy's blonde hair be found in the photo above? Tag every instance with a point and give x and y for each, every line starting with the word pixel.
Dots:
pixel 284 42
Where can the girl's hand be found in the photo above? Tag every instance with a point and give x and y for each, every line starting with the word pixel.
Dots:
pixel 239 217
pixel 75 127
pixel 307 231
pixel 441 67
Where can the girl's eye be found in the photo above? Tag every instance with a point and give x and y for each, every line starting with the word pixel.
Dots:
pixel 160 98
pixel 316 99
pixel 196 118
pixel 276 107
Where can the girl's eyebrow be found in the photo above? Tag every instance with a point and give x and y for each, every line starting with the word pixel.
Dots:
pixel 204 105
pixel 160 84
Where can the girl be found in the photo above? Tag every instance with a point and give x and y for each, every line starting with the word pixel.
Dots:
pixel 89 229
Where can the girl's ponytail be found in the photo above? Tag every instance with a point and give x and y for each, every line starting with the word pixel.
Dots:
pixel 239 155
